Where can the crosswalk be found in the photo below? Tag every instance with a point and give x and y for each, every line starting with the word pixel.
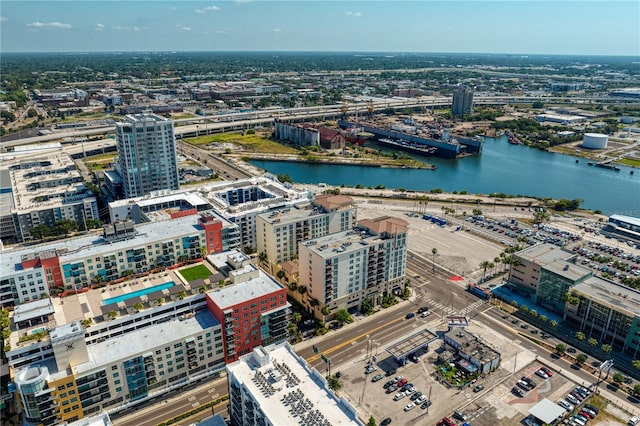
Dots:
pixel 449 311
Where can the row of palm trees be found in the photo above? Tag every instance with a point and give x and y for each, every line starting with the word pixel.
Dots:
pixel 505 259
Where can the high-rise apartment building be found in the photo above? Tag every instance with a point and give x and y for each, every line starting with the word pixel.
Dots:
pixel 279 231
pixel 462 101
pixel 147 154
pixel 343 270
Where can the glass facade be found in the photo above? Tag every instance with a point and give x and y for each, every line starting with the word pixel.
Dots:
pixel 552 289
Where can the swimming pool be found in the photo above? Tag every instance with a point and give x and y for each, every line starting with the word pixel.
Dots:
pixel 137 293
pixel 38 330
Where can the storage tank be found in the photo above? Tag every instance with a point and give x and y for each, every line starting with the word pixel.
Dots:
pixel 595 141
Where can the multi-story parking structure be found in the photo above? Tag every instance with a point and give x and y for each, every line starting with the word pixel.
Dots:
pixel 343 270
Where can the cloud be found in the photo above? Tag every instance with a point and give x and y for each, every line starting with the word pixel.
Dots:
pixel 56 25
pixel 243 1
pixel 204 10
pixel 277 30
pixel 3 19
pixel 99 27
pixel 186 28
pixel 356 14
pixel 172 8
pixel 136 29
pixel 222 32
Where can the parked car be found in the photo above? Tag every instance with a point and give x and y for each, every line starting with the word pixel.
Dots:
pixel 517 392
pixel 478 388
pixel 397 379
pixel 426 404
pixel 566 405
pixel 572 399
pixel 446 421
pixel 386 422
pixel 416 395
pixel 420 400
pixel 376 378
pixel 390 373
pixel 524 385
pixel 459 415
pixel 592 408
pixel 370 369
pixel 528 381
pixel 546 370
pixel 410 315
pixel 410 406
pixel 389 383
pixel 402 382
pixel 425 314
pixel 399 396
pixel 423 309
pixel 392 389
pixel 542 374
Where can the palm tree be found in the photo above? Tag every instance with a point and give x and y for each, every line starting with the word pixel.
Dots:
pixel 580 336
pixel 553 323
pixel 606 348
pixel 334 383
pixel 181 294
pixel 112 314
pixel 484 265
pixel 160 301
pixel 592 342
pixel 138 307
pixel 202 289
pixel 636 364
pixel 497 261
pixel 296 317
pixel 262 257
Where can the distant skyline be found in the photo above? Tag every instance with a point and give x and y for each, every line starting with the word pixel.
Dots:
pixel 512 26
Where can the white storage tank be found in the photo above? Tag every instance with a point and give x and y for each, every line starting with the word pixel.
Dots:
pixel 595 141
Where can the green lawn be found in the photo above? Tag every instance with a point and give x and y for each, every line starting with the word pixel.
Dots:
pixel 252 142
pixel 195 272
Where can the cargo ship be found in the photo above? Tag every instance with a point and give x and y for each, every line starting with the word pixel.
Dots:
pixel 441 143
pixel 413 147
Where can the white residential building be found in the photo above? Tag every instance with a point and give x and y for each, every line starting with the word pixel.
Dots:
pixel 343 270
pixel 147 154
pixel 274 386
pixel 279 231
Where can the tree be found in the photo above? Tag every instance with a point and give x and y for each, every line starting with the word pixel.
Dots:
pixel 202 289
pixel 181 294
pixel 325 310
pixel 160 301
pixel 484 265
pixel 372 422
pixel 343 316
pixel 524 308
pixel 580 336
pixel 553 323
pixel 262 257
pixel 367 307
pixel 636 364
pixel 543 318
pixel 581 358
pixel 302 289
pixel 39 232
pixel 434 251
pixel 112 314
pixel 334 383
pixel 296 317
pixel 138 307
pixel 540 217
pixel 561 348
pixel 606 348
pixel 280 274
pixel 533 313
pixel 592 342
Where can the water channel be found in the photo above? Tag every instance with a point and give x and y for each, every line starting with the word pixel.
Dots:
pixel 502 167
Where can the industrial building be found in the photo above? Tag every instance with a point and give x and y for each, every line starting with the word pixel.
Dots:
pixel 42 189
pixel 274 386
pixel 342 270
pixel 626 227
pixel 147 158
pixel 296 134
pixel 280 231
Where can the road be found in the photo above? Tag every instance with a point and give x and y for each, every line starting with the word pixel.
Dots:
pixel 220 166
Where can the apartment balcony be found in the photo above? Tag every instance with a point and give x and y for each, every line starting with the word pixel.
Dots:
pixel 192 358
pixel 191 351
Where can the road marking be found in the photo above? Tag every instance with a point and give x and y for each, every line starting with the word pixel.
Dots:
pixel 350 341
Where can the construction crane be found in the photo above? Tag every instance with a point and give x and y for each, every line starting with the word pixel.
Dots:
pixel 370 109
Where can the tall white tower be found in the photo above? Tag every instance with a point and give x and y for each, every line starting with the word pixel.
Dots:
pixel 147 154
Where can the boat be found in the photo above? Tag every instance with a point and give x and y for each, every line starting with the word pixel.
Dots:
pixel 413 147
pixel 577 161
pixel 513 139
pixel 356 135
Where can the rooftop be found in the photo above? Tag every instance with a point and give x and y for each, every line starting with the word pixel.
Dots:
pixel 385 225
pixel 143 340
pixel 241 292
pixel 544 254
pixel 287 390
pixel 333 202
pixel 546 411
pixel 567 270
pixel 610 294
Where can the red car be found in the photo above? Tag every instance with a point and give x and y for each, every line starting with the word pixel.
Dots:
pixel 446 421
pixel 546 370
pixel 402 382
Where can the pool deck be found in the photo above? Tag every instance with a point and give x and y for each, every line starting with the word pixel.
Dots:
pixel 88 305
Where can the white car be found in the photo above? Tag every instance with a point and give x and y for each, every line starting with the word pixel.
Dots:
pixel 410 406
pixel 420 400
pixel 542 374
pixel 399 396
pixel 425 314
pixel 370 369
pixel 566 405
pixel 410 391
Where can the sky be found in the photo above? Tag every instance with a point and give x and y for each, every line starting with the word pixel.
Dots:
pixel 510 26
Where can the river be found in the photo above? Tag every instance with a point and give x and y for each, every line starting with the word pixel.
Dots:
pixel 502 167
